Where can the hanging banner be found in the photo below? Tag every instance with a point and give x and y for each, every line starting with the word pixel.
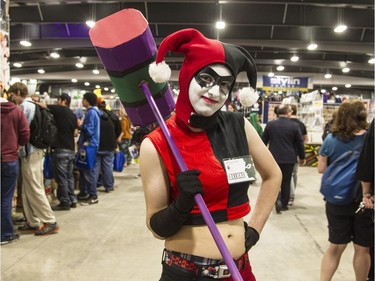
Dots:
pixel 285 83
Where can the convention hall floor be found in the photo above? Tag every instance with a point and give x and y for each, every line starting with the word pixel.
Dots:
pixel 109 241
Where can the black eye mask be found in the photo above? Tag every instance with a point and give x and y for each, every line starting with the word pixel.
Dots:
pixel 207 78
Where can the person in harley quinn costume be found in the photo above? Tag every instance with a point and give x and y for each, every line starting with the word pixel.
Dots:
pixel 206 137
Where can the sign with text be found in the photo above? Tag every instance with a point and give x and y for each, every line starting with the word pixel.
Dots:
pixel 285 83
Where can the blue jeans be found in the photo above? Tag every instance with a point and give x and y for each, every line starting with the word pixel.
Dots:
pixel 9 175
pixel 106 168
pixel 63 162
pixel 88 179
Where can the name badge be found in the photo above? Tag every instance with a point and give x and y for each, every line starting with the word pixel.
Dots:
pixel 239 169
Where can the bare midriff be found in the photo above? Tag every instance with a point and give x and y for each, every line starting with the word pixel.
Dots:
pixel 198 241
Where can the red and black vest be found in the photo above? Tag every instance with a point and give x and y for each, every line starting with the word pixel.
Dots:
pixel 205 152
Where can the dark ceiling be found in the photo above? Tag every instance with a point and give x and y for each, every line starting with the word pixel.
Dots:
pixel 271 30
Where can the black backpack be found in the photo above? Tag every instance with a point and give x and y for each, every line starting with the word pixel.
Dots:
pixel 43 130
pixel 107 139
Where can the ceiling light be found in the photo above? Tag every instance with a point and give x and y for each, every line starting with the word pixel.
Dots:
pixel 95 71
pixel 220 24
pixel 348 85
pixel 334 88
pixel 41 71
pixel 312 47
pixel 79 65
pixel 83 92
pixel 113 90
pixel 54 55
pixel 327 76
pixel 280 68
pixel 74 80
pixel 294 58
pixel 345 69
pixel 371 61
pixel 97 86
pixel 87 84
pixel 271 74
pixel 25 43
pixel 90 23
pixel 323 91
pixel 340 28
pixel 106 89
pixel 17 64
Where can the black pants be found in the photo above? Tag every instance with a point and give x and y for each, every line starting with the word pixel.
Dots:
pixel 287 171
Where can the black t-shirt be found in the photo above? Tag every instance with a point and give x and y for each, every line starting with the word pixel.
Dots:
pixel 66 123
pixel 301 125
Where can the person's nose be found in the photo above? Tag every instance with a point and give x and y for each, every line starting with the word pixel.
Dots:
pixel 214 91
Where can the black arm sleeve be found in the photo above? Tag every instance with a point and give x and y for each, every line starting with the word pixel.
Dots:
pixel 168 221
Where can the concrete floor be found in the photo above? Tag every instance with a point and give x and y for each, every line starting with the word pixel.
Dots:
pixel 109 241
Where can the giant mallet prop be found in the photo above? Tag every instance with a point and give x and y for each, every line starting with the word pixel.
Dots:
pixel 126 47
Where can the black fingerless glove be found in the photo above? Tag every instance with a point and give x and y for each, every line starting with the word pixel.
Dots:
pixel 251 236
pixel 188 185
pixel 168 221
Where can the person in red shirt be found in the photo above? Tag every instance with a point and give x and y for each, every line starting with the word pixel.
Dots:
pixel 15 132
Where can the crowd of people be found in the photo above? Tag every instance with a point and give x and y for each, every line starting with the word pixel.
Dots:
pixel 22 162
pixel 197 125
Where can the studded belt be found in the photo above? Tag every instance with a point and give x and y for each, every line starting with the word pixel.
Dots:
pixel 201 266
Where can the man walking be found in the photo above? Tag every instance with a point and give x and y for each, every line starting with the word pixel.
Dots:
pixel 285 143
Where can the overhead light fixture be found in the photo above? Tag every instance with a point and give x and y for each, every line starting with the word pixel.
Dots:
pixel 345 69
pixel 280 68
pixel 87 84
pixel 334 88
pixel 348 85
pixel 271 74
pixel 83 92
pixel 106 89
pixel 17 64
pixel 113 90
pixel 74 80
pixel 312 46
pixel 220 24
pixel 54 55
pixel 371 61
pixel 294 58
pixel 340 28
pixel 323 91
pixel 328 76
pixel 41 71
pixel 95 71
pixel 25 43
pixel 90 23
pixel 97 86
pixel 79 65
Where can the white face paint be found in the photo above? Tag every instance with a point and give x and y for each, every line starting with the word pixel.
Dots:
pixel 206 101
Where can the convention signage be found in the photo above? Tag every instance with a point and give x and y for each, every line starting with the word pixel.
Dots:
pixel 285 83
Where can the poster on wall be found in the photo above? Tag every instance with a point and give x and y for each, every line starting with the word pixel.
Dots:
pixel 4 48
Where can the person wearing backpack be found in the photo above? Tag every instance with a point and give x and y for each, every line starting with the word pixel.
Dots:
pixel 345 225
pixel 107 146
pixel 40 218
pixel 89 135
pixel 63 152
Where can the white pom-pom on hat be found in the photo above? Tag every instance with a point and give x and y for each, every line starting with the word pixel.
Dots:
pixel 160 72
pixel 248 96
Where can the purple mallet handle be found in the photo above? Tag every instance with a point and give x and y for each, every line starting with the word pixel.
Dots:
pixel 198 198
